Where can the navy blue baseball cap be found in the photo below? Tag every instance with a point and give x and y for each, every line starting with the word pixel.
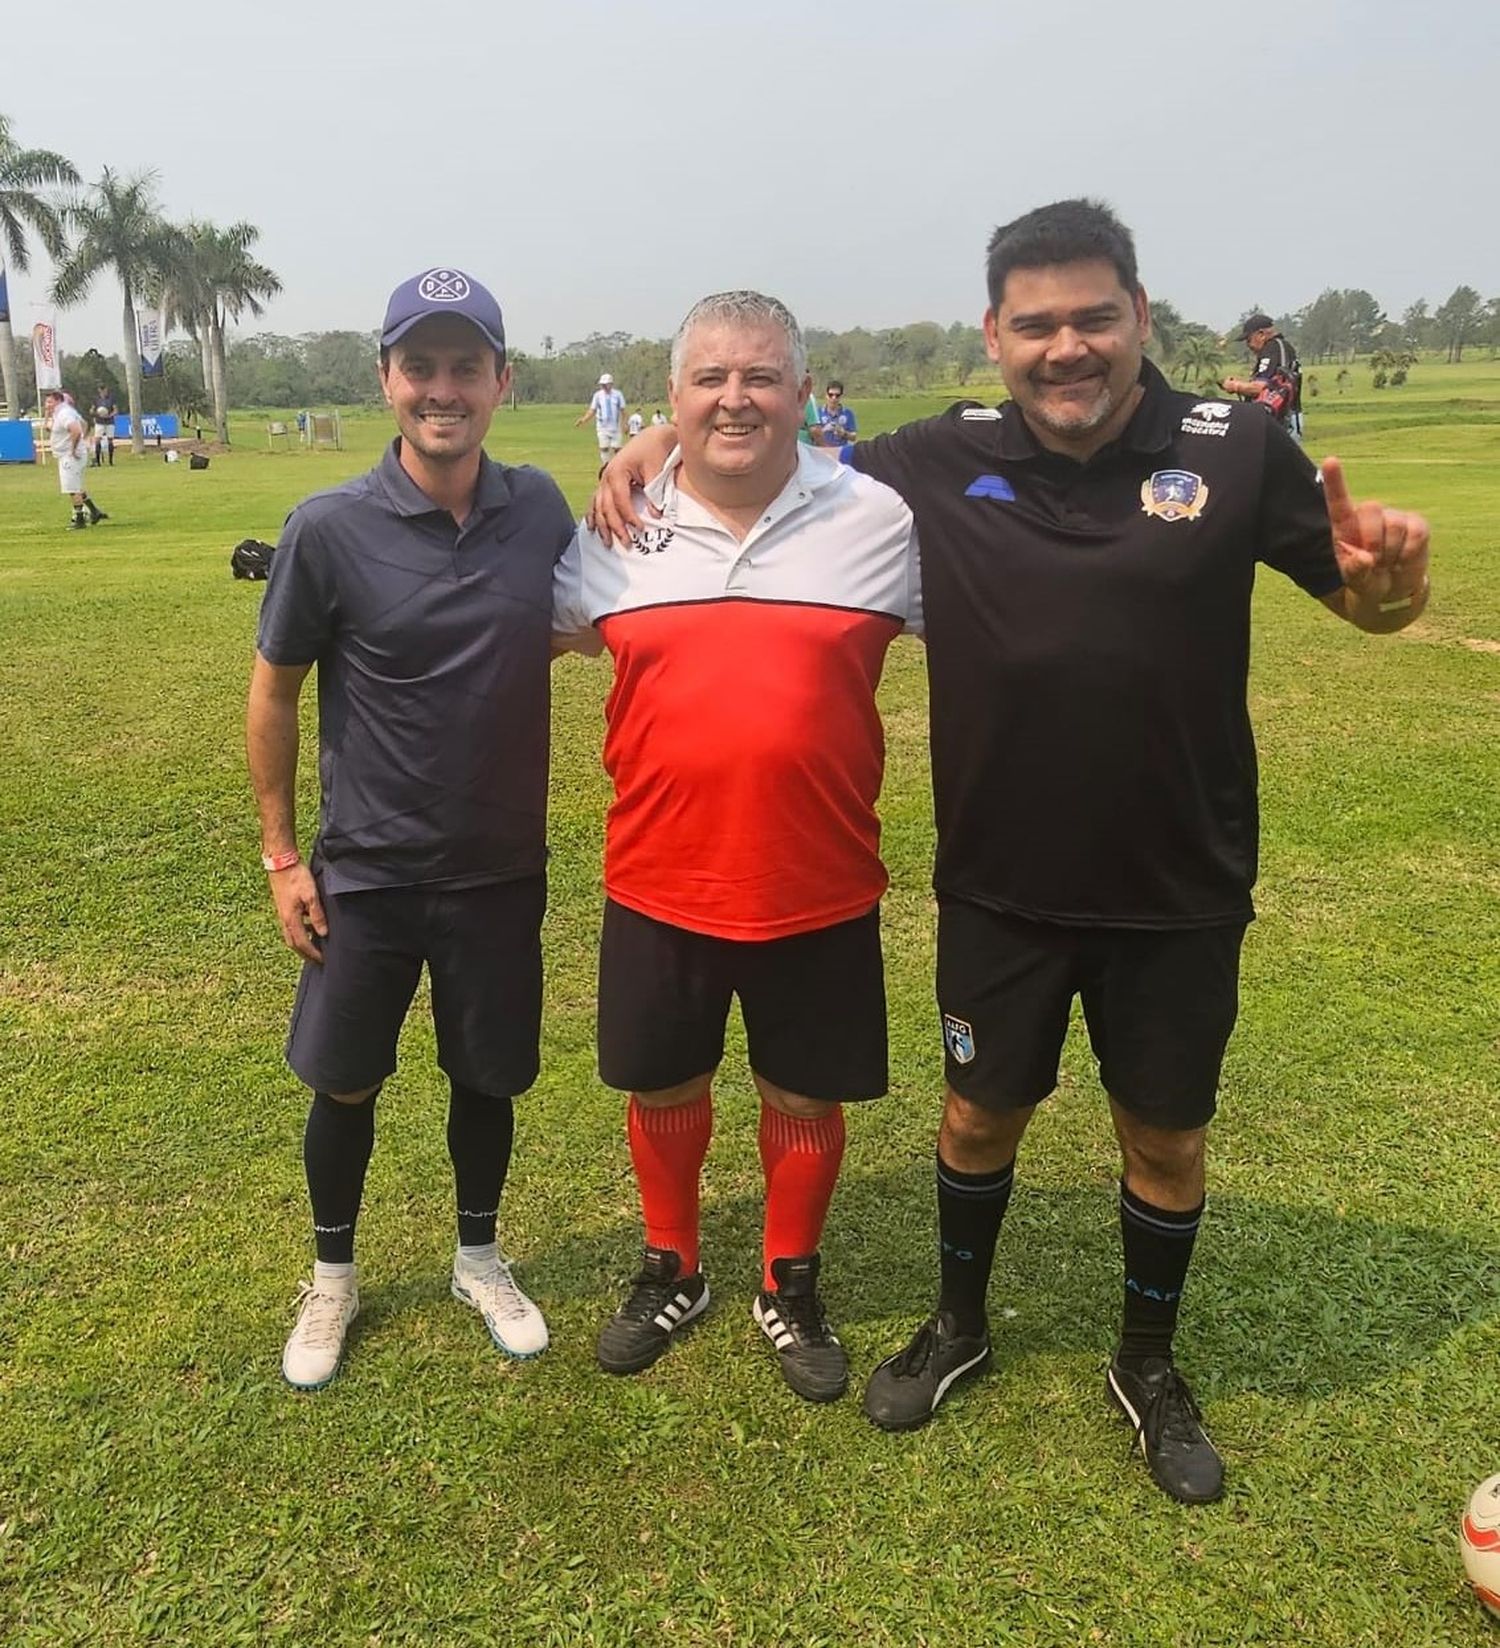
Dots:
pixel 442 292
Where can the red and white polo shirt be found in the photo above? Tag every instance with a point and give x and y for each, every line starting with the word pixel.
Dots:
pixel 742 734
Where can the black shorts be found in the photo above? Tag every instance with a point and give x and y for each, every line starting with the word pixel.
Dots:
pixel 813 1004
pixel 1159 1006
pixel 483 950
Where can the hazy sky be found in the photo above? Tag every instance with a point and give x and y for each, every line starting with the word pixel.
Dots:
pixel 601 166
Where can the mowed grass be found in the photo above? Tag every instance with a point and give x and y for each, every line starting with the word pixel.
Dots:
pixel 158 1482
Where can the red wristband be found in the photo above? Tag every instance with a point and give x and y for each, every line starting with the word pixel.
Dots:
pixel 272 862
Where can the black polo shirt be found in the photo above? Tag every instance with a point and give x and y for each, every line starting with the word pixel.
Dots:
pixel 1088 637
pixel 433 646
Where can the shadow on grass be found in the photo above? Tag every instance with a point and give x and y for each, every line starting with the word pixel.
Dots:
pixel 1284 1300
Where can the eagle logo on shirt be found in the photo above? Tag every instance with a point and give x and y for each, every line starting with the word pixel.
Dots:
pixel 1174 495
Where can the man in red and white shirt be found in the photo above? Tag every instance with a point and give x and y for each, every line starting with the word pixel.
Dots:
pixel 748 622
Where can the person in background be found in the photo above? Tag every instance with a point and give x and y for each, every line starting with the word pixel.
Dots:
pixel 68 439
pixel 104 426
pixel 837 425
pixel 607 408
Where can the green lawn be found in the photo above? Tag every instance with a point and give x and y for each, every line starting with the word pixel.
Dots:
pixel 159 1484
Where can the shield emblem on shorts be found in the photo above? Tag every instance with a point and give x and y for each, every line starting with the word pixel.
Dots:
pixel 1174 495
pixel 958 1038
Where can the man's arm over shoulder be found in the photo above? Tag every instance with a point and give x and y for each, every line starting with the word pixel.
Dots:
pixel 901 458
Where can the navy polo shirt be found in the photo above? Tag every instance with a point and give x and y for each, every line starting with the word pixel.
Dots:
pixel 1088 647
pixel 432 644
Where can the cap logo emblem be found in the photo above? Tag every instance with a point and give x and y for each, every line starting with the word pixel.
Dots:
pixel 443 286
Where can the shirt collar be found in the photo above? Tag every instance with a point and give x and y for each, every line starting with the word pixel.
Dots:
pixel 811 475
pixel 408 499
pixel 1149 429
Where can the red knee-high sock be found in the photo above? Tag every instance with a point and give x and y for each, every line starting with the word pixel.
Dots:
pixel 667 1146
pixel 801 1160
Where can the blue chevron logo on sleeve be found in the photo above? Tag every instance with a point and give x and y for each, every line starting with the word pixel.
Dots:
pixel 991 486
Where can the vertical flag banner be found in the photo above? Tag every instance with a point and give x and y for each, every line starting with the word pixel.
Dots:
pixel 149 326
pixel 4 296
pixel 44 354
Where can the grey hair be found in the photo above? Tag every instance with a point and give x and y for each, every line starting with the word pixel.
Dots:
pixel 743 309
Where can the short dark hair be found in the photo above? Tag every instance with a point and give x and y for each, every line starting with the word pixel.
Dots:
pixel 834 383
pixel 1067 231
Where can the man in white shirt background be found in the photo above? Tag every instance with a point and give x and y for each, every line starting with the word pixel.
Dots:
pixel 69 442
pixel 607 409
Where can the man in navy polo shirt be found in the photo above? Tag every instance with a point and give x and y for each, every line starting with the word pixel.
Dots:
pixel 422 593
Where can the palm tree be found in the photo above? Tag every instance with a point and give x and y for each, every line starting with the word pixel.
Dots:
pixel 1199 361
pixel 119 228
pixel 240 283
pixel 185 297
pixel 1166 329
pixel 213 281
pixel 22 173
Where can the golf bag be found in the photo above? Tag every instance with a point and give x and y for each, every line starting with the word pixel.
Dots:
pixel 250 558
pixel 1277 394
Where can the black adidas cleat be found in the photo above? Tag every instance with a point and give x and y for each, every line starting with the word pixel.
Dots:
pixel 813 1362
pixel 659 1303
pixel 907 1388
pixel 1157 1402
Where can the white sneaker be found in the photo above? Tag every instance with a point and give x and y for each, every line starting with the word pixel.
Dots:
pixel 316 1347
pixel 515 1324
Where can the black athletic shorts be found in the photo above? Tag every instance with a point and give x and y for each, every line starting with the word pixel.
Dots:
pixel 483 950
pixel 1159 1006
pixel 813 1004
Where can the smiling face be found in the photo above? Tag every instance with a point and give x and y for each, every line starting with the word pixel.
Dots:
pixel 1068 340
pixel 443 381
pixel 738 404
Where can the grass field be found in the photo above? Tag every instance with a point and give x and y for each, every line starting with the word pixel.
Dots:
pixel 158 1482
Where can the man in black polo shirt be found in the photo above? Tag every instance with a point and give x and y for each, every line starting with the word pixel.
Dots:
pixel 422 592
pixel 1277 379
pixel 1089 551
pixel 1088 555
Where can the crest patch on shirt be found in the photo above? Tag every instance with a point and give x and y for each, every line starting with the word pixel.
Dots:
pixel 651 540
pixel 1174 495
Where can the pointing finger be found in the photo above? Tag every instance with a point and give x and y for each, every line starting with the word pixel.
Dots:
pixel 1340 505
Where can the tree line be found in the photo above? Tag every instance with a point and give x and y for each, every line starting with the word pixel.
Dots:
pixel 200 275
pixel 205 277
pixel 338 368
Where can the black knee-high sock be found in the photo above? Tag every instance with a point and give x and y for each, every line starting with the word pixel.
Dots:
pixel 970 1208
pixel 481 1130
pixel 1158 1249
pixel 336 1150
